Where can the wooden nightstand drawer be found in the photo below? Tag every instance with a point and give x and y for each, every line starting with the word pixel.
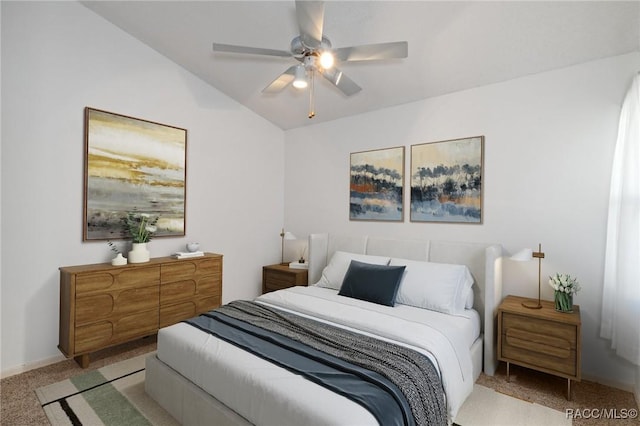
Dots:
pixel 280 278
pixel 539 343
pixel 271 286
pixel 552 329
pixel 277 277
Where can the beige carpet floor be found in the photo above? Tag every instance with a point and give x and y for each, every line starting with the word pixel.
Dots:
pixel 20 406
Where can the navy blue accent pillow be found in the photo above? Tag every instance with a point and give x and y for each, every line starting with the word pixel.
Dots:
pixel 373 283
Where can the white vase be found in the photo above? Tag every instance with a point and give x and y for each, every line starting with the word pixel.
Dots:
pixel 139 253
pixel 119 260
pixel 192 247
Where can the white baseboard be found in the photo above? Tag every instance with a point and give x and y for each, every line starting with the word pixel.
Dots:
pixel 31 366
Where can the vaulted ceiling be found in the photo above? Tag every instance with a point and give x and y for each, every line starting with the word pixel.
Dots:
pixel 453 46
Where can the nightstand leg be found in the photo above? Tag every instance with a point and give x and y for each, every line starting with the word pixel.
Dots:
pixel 568 389
pixel 508 371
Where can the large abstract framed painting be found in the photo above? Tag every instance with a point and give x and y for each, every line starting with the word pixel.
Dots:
pixel 446 181
pixel 376 182
pixel 132 165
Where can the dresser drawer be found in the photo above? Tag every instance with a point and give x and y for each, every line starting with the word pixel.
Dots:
pixel 116 279
pixel 171 314
pixel 100 334
pixel 193 268
pixel 115 304
pixel 540 343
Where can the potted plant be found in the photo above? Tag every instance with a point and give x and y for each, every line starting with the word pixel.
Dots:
pixel 565 286
pixel 140 227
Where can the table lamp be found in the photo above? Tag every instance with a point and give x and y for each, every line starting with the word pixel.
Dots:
pixel 528 254
pixel 285 236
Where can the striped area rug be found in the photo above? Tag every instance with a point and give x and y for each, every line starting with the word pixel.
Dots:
pixel 112 396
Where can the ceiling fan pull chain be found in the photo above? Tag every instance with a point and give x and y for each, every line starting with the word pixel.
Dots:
pixel 312 112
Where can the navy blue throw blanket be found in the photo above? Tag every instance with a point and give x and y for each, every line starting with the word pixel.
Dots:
pixel 396 385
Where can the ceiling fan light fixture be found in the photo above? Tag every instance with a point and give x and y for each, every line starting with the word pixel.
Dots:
pixel 326 60
pixel 300 81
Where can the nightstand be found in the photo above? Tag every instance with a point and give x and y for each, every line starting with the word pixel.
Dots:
pixel 277 277
pixel 541 339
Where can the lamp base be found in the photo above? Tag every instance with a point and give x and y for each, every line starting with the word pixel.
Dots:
pixel 533 304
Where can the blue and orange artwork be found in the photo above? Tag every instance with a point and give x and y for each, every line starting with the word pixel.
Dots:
pixel 376 183
pixel 446 181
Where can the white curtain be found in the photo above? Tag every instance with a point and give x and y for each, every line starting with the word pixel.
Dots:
pixel 621 293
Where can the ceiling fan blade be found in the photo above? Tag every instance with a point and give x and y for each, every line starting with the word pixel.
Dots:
pixel 341 81
pixel 372 52
pixel 282 81
pixel 310 16
pixel 230 48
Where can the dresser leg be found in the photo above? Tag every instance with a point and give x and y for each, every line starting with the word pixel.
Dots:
pixel 508 380
pixel 82 360
pixel 568 389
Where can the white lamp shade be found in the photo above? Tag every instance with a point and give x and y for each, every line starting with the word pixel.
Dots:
pixel 523 255
pixel 300 81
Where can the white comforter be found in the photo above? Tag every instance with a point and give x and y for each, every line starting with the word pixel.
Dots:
pixel 266 394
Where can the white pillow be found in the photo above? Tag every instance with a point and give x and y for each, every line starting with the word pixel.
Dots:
pixel 439 287
pixel 333 274
pixel 470 299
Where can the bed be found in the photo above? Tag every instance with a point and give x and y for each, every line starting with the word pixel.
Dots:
pixel 200 378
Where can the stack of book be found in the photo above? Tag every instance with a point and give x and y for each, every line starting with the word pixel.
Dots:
pixel 187 254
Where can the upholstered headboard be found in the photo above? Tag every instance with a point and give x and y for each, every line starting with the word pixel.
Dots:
pixel 482 259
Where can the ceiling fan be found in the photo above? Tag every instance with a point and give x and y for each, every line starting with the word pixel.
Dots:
pixel 316 56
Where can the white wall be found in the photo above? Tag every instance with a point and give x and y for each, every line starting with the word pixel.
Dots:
pixel 58 58
pixel 549 141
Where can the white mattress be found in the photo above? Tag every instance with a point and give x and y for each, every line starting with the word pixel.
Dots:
pixel 266 394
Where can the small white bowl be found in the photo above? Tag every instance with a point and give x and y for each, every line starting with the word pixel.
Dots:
pixel 192 247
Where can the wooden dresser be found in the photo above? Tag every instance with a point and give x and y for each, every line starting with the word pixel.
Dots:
pixel 279 276
pixel 103 305
pixel 541 339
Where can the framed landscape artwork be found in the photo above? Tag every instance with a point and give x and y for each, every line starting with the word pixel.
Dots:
pixel 132 164
pixel 446 181
pixel 376 185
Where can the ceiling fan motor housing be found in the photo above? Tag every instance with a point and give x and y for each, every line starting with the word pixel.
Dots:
pixel 300 50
